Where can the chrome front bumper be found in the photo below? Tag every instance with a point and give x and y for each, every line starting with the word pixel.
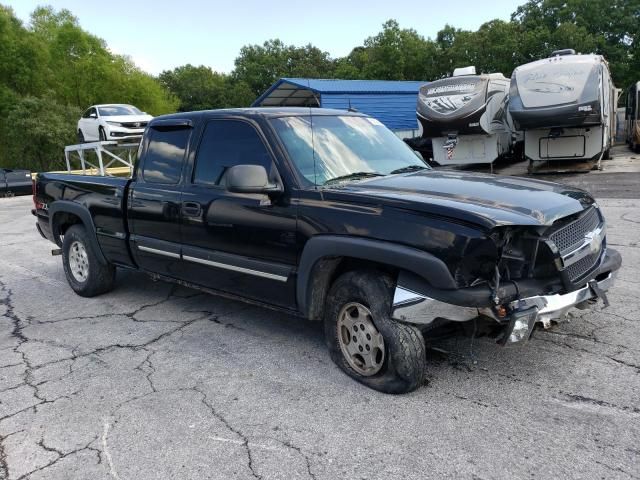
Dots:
pixel 416 308
pixel 556 307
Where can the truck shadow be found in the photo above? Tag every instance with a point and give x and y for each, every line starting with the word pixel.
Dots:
pixel 455 355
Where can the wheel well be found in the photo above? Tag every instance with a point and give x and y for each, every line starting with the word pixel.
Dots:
pixel 326 270
pixel 62 221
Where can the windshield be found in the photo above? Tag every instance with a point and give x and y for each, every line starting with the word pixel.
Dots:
pixel 346 147
pixel 112 110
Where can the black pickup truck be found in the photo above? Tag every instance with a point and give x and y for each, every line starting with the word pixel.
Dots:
pixel 15 182
pixel 328 215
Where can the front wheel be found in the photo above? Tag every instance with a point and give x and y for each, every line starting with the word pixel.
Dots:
pixel 102 135
pixel 365 342
pixel 86 275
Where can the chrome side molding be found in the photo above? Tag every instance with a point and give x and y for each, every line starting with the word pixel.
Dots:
pixel 235 268
pixel 158 252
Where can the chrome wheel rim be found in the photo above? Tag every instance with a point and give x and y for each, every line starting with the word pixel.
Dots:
pixel 360 342
pixel 78 262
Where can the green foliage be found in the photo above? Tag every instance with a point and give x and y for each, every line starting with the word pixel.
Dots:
pixel 51 68
pixel 260 65
pixel 608 27
pixel 200 88
pixel 396 54
pixel 36 131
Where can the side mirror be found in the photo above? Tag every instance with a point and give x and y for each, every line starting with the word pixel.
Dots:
pixel 250 179
pixel 93 115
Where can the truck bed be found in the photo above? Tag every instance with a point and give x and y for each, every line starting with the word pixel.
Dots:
pixel 104 198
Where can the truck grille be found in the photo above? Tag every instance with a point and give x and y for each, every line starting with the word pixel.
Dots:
pixel 134 124
pixel 582 266
pixel 570 236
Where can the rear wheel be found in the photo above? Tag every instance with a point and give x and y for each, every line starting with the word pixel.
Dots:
pixel 365 342
pixel 80 136
pixel 86 275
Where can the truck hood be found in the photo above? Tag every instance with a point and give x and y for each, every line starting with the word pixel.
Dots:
pixel 487 200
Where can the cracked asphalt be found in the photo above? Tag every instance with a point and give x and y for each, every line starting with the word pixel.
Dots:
pixel 153 381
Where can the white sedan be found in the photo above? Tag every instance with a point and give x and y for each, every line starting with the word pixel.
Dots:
pixel 112 122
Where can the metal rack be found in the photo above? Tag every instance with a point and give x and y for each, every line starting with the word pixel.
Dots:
pixel 112 158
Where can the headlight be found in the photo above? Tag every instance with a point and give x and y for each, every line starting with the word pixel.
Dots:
pixel 521 325
pixel 115 124
pixel 477 262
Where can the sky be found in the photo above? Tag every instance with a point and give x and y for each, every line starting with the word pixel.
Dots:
pixel 161 35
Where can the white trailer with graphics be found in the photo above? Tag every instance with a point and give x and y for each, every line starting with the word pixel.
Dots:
pixel 466 117
pixel 565 104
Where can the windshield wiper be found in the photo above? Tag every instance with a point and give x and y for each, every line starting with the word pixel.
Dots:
pixel 354 176
pixel 408 168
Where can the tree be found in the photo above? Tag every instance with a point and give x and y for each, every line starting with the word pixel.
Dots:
pixel 259 66
pixel 397 54
pixel 50 70
pixel 197 88
pixel 23 58
pixel 200 88
pixel 607 27
pixel 37 129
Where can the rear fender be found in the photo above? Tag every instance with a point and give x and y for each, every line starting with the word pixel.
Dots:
pixel 65 206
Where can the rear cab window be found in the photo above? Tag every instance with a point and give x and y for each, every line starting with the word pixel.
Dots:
pixel 164 155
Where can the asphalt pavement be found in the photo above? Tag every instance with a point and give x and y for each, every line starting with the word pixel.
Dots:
pixel 154 381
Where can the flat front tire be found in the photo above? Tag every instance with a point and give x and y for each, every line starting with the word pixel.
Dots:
pixel 86 275
pixel 365 342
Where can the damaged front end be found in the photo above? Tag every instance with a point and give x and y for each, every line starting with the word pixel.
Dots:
pixel 517 277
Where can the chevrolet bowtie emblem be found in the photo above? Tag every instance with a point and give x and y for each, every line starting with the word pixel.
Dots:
pixel 595 241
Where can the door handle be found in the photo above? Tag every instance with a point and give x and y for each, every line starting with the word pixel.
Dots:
pixel 191 209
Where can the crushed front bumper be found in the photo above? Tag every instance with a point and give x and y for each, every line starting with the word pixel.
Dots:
pixel 523 313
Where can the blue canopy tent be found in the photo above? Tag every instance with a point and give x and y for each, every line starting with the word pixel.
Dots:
pixel 391 102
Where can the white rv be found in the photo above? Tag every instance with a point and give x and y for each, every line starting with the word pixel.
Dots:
pixel 465 116
pixel 565 104
pixel 631 117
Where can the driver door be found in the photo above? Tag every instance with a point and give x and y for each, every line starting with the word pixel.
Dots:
pixel 243 244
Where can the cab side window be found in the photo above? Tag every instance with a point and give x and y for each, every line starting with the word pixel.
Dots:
pixel 88 113
pixel 226 143
pixel 164 156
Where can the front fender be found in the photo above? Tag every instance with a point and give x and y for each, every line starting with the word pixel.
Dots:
pixel 399 256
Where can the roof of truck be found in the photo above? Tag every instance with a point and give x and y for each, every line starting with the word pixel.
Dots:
pixel 260 111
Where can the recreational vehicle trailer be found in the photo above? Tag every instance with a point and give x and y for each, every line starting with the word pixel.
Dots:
pixel 565 104
pixel 465 116
pixel 631 114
